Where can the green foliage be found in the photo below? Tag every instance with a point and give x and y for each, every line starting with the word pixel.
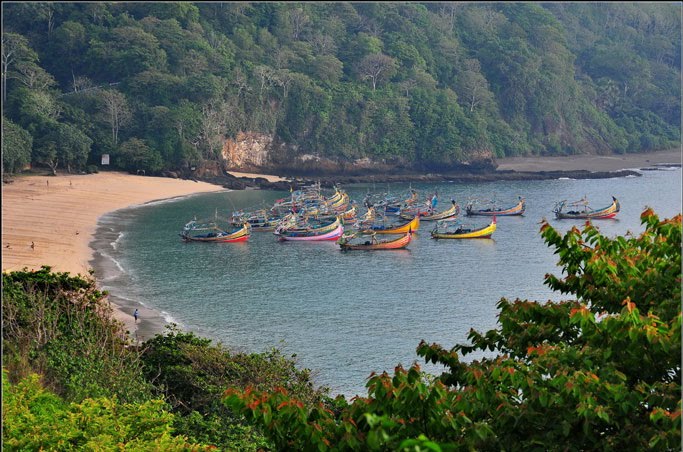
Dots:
pixel 192 375
pixel 348 80
pixel 16 147
pixel 600 372
pixel 135 155
pixel 61 326
pixel 98 389
pixel 33 418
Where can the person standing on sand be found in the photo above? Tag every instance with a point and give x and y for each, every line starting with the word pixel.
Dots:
pixel 135 314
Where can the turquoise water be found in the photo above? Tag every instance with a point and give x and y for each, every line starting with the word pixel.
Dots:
pixel 345 315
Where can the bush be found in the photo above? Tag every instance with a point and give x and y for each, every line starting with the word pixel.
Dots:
pixel 192 374
pixel 61 326
pixel 36 419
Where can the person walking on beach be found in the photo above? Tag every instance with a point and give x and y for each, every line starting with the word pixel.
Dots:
pixel 135 314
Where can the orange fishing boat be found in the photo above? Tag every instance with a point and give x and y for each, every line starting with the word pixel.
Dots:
pixel 374 244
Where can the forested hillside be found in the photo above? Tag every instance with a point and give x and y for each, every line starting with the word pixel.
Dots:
pixel 167 86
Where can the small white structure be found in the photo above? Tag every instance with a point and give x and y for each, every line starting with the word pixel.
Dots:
pixel 105 159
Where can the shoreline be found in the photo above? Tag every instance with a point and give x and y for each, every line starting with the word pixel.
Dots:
pixel 508 169
pixel 593 163
pixel 52 220
pixel 64 216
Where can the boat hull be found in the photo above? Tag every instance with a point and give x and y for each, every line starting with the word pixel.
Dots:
pixel 396 244
pixel 516 210
pixel 304 237
pixel 241 235
pixel 451 212
pixel 411 226
pixel 481 233
pixel 605 213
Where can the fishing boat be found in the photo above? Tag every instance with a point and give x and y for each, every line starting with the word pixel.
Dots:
pixel 383 228
pixel 460 231
pixel 310 236
pixel 259 220
pixel 373 244
pixel 308 231
pixel 211 232
pixel 392 205
pixel 518 209
pixel 581 210
pixel 347 217
pixel 428 214
pixel 295 223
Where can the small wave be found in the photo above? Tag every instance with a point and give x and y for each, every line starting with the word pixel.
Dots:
pixel 117 263
pixel 115 243
pixel 565 178
pixel 170 319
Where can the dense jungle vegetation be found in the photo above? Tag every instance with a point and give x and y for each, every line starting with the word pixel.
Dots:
pixel 161 86
pixel 601 371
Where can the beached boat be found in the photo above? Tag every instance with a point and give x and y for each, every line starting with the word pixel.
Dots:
pixel 428 214
pixel 383 228
pixel 211 232
pixel 518 209
pixel 581 210
pixel 401 242
pixel 459 231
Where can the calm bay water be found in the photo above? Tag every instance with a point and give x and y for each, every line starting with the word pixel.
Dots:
pixel 346 315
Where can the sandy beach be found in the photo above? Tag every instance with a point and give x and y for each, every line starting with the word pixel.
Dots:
pixel 51 220
pixel 590 162
pixel 268 177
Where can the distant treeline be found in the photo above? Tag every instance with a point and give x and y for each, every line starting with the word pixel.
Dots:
pixel 161 86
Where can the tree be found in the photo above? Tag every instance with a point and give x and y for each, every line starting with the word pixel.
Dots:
pixel 15 49
pixel 124 52
pixel 600 372
pixel 116 111
pixel 326 68
pixel 137 156
pixel 376 67
pixel 68 43
pixel 472 86
pixel 16 147
pixel 298 19
pixel 73 146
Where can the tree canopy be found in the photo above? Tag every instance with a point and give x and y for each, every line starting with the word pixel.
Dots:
pixel 425 84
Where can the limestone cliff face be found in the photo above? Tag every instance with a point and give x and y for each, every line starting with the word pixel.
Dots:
pixel 257 152
pixel 248 150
